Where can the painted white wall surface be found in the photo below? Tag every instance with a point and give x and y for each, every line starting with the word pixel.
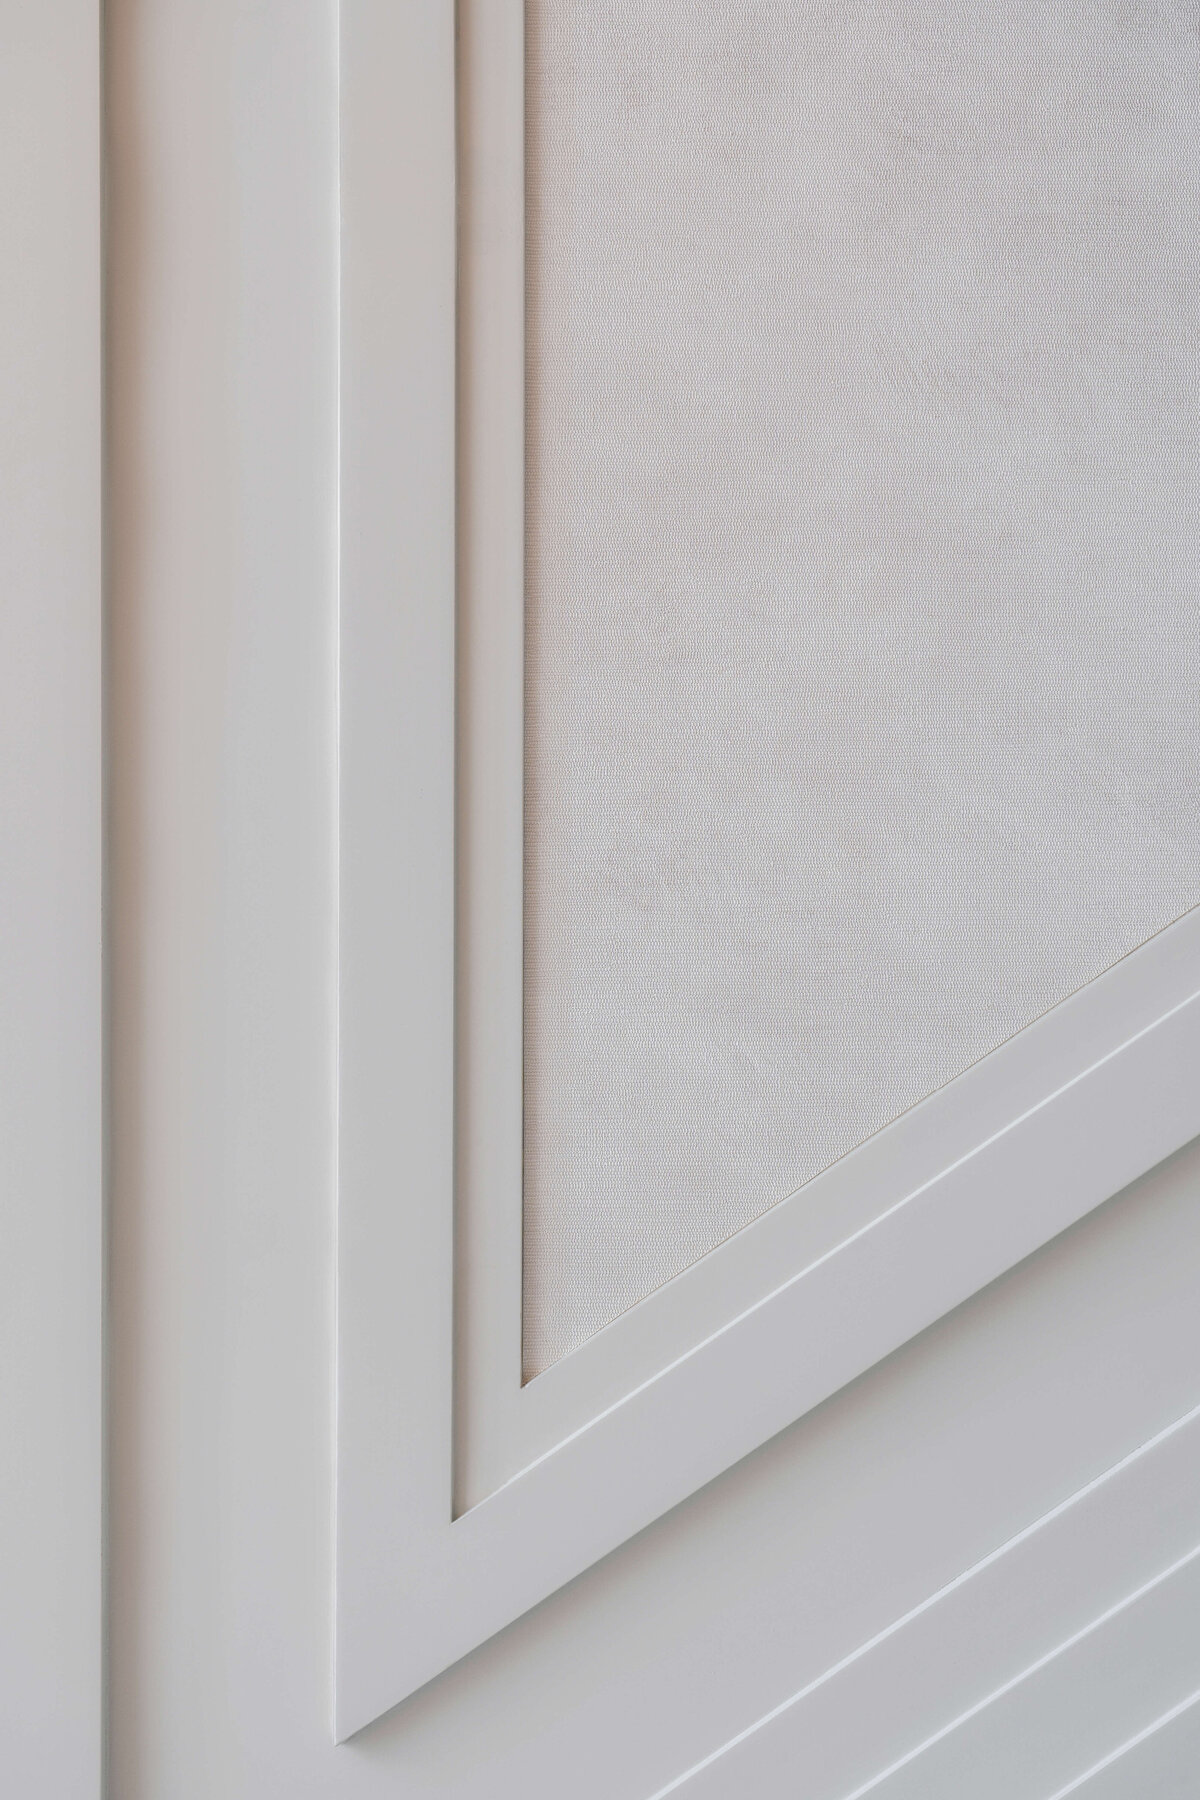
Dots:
pixel 51 1152
pixel 717 1653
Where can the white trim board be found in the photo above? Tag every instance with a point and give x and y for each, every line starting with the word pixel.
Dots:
pixel 770 1323
pixel 51 1031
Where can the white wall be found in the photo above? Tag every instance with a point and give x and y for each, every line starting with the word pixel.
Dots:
pixel 223 392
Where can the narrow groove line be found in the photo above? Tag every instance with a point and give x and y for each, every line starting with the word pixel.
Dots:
pixel 1034 1668
pixel 1147 1731
pixel 934 1599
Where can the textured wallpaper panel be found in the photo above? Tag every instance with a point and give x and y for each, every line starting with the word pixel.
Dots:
pixel 863 590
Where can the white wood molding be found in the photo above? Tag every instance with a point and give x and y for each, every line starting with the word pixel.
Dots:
pixel 829 1210
pixel 396 816
pixel 51 1038
pixel 769 1324
pixel 490 507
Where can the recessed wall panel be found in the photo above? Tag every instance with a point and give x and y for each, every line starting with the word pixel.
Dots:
pixel 862 612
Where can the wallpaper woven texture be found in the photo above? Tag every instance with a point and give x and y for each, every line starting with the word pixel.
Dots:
pixel 863 579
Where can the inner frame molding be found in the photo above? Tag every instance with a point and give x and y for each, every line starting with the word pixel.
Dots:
pixel 702 1372
pixel 1049 826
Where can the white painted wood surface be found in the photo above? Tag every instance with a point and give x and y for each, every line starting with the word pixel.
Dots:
pixel 224 335
pixel 978 1650
pixel 51 1145
pixel 450 1528
pixel 1161 1759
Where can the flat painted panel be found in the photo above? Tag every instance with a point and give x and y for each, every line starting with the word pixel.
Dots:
pixel 51 1141
pixel 973 1640
pixel 1159 1762
pixel 862 636
pixel 1088 1696
pixel 223 425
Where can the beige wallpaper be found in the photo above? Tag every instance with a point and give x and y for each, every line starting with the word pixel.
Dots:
pixel 862 613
